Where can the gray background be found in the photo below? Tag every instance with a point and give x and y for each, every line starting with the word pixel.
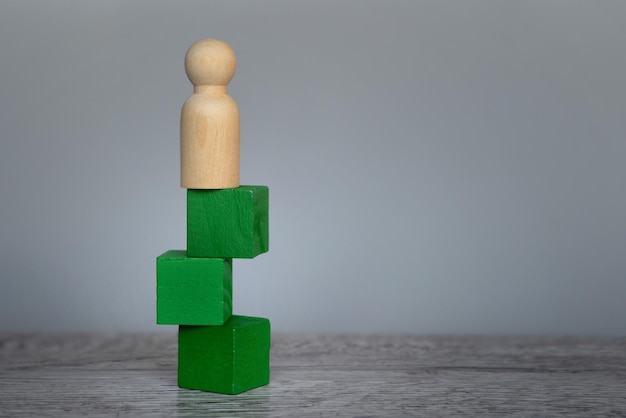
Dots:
pixel 434 166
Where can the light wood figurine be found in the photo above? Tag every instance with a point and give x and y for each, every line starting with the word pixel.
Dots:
pixel 209 122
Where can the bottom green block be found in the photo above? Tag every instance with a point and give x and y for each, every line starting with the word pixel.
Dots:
pixel 229 358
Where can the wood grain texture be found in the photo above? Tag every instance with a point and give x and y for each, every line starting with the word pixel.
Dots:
pixel 229 223
pixel 312 375
pixel 209 120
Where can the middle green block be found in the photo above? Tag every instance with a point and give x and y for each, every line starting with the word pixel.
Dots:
pixel 228 223
pixel 193 291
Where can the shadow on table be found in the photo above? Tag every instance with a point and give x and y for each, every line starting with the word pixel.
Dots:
pixel 254 403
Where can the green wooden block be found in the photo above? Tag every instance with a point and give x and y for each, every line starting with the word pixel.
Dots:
pixel 229 359
pixel 193 291
pixel 228 223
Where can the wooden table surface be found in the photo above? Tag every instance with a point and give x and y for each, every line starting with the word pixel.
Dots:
pixel 321 375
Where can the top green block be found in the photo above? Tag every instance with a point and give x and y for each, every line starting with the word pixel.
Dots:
pixel 228 223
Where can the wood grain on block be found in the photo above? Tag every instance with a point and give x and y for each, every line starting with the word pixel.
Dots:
pixel 209 122
pixel 229 223
pixel 193 291
pixel 229 359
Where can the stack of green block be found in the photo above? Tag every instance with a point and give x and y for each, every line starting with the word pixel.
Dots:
pixel 217 351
